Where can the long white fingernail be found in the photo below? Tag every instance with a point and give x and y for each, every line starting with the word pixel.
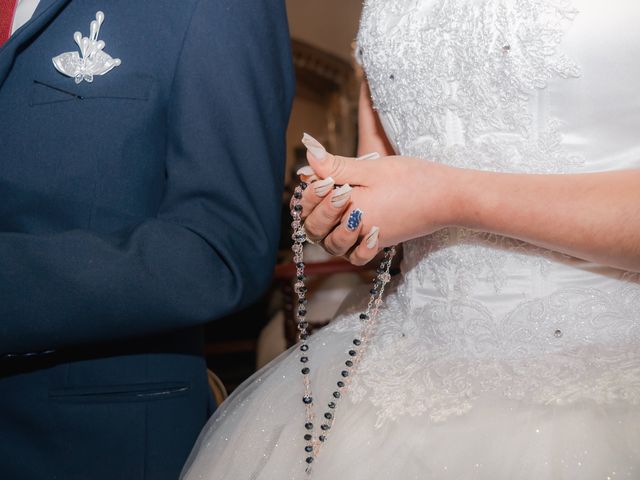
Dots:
pixel 372 239
pixel 306 171
pixel 323 187
pixel 314 146
pixel 369 156
pixel 341 196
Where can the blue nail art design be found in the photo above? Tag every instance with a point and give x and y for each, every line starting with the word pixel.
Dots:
pixel 354 220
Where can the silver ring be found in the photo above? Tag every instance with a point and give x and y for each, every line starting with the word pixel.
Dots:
pixel 306 236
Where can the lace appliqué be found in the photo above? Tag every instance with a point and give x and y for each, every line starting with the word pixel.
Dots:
pixel 574 345
pixel 463 82
pixel 476 68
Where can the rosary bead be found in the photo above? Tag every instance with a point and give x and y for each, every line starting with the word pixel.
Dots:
pixel 304 359
pixel 300 265
pixel 301 277
pixel 297 208
pixel 328 416
pixel 332 405
pixel 304 348
pixel 308 449
pixel 297 195
pixel 325 427
pixel 387 249
pixel 303 325
pixel 302 312
pixel 353 353
pixel 308 437
pixel 373 291
pixel 303 185
pixel 304 336
pixel 307 400
pixel 336 394
pixel 309 459
pixel 357 342
pixel 349 363
pixel 344 373
pixel 308 426
pixel 340 384
pixel 364 316
pixel 302 301
pixel 305 371
pixel 322 438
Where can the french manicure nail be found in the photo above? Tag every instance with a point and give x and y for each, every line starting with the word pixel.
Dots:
pixel 323 187
pixel 369 156
pixel 372 239
pixel 316 149
pixel 307 171
pixel 353 222
pixel 341 196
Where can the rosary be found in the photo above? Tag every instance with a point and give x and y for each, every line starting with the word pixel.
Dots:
pixel 314 438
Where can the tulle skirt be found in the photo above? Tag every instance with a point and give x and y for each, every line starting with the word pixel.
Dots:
pixel 258 433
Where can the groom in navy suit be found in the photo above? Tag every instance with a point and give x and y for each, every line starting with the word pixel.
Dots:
pixel 139 199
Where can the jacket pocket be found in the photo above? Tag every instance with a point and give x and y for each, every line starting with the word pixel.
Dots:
pixel 60 90
pixel 142 392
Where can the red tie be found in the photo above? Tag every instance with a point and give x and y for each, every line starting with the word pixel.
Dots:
pixel 7 10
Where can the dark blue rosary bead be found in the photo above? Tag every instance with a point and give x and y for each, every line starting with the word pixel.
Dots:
pixel 300 265
pixel 302 312
pixel 364 316
pixel 308 426
pixel 308 437
pixel 344 373
pixel 353 353
pixel 349 363
pixel 297 208
pixel 325 427
pixel 340 384
pixel 322 438
pixel 305 371
pixel 304 336
pixel 328 416
pixel 336 394
pixel 304 348
pixel 308 449
pixel 297 195
pixel 357 342
pixel 332 405
pixel 304 359
pixel 309 459
pixel 307 400
pixel 373 291
pixel 303 185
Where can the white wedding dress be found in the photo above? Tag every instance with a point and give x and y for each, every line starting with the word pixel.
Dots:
pixel 493 359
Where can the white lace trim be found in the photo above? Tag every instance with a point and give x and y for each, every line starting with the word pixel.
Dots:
pixel 459 82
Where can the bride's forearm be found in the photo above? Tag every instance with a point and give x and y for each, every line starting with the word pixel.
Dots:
pixel 594 216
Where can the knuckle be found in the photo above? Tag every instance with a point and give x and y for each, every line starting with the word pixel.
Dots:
pixel 338 167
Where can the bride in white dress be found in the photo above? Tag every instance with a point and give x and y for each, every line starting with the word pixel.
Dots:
pixel 497 355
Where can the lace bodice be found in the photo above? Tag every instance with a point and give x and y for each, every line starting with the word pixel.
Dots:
pixel 535 86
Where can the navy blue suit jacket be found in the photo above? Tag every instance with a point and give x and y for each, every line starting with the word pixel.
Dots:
pixel 132 210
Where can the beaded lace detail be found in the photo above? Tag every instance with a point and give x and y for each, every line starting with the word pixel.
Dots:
pixel 462 82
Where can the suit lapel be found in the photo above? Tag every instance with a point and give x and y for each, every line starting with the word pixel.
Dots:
pixel 46 11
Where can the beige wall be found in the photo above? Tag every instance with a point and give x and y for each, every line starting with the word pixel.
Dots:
pixel 328 24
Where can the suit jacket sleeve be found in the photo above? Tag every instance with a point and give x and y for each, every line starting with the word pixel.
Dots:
pixel 211 247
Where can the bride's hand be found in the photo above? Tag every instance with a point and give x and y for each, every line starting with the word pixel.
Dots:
pixel 399 198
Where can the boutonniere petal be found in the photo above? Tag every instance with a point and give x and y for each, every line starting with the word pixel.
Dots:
pixel 91 60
